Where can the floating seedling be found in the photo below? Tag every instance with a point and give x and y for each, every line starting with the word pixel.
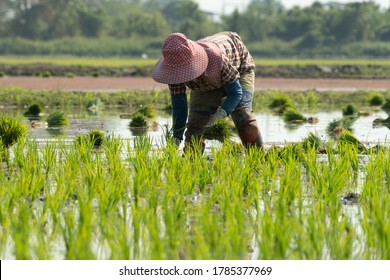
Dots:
pixel 291 115
pixel 138 120
pixel 376 99
pixel 281 104
pixel 11 130
pixel 33 110
pixel 335 127
pixel 57 118
pixel 94 105
pixel 349 110
pixel 147 111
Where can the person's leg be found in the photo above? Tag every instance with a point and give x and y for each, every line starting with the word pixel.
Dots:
pixel 243 117
pixel 202 106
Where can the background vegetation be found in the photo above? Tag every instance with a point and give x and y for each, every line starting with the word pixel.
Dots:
pixel 137 27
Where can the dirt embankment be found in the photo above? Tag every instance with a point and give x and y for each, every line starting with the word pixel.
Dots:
pixel 147 83
pixel 280 71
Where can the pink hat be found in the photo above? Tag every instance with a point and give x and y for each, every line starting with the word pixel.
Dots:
pixel 183 60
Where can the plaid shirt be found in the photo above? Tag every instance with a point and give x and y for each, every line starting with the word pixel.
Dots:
pixel 236 60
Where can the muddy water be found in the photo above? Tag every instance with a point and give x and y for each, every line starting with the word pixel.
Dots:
pixel 274 129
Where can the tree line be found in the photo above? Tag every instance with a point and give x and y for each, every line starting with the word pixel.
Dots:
pixel 265 25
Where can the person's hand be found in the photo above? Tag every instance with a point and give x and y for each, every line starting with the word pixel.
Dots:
pixel 220 114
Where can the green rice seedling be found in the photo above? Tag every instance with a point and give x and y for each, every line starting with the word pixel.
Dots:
pixel 335 127
pixel 33 110
pixel 94 104
pixel 146 111
pixel 281 104
pixel 349 110
pixel 312 140
pixel 221 130
pixel 347 138
pixel 2 74
pixel 138 120
pixel 57 118
pixel 95 137
pixel 11 130
pixel 376 99
pixel 292 115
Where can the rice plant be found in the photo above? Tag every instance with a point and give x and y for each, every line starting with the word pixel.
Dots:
pixel 336 126
pixel 376 99
pixel 138 120
pixel 349 110
pixel 221 130
pixel 95 137
pixel 11 130
pixel 33 110
pixel 292 115
pixel 146 111
pixel 57 118
pixel 281 104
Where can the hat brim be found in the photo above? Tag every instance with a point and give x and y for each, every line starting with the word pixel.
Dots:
pixel 181 73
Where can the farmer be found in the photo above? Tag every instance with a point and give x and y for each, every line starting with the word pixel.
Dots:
pixel 219 70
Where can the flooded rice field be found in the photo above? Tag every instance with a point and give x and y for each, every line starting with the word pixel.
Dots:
pixel 274 129
pixel 133 200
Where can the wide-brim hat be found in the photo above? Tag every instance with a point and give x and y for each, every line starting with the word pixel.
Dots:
pixel 182 60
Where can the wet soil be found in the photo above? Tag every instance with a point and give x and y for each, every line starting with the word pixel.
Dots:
pixel 147 83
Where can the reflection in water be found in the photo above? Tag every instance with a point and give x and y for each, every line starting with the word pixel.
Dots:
pixel 55 131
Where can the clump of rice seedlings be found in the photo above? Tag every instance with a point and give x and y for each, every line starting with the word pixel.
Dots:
pixel 347 138
pixel 147 111
pixel 281 104
pixel 33 110
pixel 386 106
pixel 292 115
pixel 2 74
pixel 70 75
pixel 312 140
pixel 376 99
pixel 220 130
pixel 94 104
pixel 11 130
pixel 335 127
pixel 138 120
pixel 349 110
pixel 94 137
pixel 57 118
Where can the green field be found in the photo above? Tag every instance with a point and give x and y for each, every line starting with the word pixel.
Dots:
pixel 118 61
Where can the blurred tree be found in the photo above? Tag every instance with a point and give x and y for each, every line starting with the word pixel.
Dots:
pixel 356 22
pixel 186 17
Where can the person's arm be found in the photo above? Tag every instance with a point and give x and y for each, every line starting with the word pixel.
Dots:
pixel 179 115
pixel 233 97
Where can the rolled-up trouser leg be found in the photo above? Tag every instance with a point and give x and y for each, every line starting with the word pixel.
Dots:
pixel 247 127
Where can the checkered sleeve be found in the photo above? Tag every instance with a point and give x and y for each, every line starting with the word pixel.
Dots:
pixel 228 73
pixel 176 89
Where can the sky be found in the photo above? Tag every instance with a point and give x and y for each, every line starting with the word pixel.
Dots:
pixel 218 7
